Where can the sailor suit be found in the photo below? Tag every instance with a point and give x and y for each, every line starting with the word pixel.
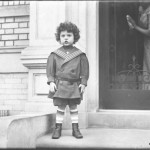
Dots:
pixel 67 71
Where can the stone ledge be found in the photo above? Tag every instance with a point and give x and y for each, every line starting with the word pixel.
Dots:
pixel 122 119
pixel 34 57
pixel 12 49
pixel 20 10
pixel 21 131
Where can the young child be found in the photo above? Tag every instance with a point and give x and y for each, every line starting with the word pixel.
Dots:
pixel 67 73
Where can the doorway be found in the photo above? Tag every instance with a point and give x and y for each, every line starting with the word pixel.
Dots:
pixel 121 59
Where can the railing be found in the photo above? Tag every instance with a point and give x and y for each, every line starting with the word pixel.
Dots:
pixel 133 78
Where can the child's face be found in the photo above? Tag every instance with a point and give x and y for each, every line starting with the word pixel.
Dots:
pixel 66 38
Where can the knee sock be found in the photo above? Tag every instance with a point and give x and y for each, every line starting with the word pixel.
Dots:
pixel 60 114
pixel 74 114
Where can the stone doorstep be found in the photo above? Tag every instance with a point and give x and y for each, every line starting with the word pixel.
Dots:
pixel 120 119
pixel 38 124
pixel 3 142
pixel 13 128
pixel 99 138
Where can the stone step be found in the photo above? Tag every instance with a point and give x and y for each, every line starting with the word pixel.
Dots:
pixel 99 138
pixel 21 131
pixel 3 142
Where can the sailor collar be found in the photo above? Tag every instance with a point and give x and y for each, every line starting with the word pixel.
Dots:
pixel 69 56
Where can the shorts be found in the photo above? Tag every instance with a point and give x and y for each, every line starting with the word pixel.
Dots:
pixel 65 102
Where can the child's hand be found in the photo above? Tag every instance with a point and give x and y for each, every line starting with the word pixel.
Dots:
pixel 82 88
pixel 53 87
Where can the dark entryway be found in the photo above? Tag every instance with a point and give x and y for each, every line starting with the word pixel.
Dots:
pixel 121 59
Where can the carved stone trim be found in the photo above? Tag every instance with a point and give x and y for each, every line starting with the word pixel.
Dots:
pixel 36 57
pixel 21 10
pixel 13 49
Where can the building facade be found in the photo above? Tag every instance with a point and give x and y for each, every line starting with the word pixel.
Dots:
pixel 14 34
pixel 28 37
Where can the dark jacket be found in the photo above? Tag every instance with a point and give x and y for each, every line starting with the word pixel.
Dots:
pixel 67 71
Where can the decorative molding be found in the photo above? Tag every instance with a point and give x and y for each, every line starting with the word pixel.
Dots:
pixel 20 10
pixel 14 49
pixel 33 83
pixel 36 57
pixel 40 79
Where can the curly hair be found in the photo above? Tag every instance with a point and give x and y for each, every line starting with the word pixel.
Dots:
pixel 69 27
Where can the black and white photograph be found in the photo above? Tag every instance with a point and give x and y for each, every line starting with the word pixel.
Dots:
pixel 75 74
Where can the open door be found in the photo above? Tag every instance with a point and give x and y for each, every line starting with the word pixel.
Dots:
pixel 122 78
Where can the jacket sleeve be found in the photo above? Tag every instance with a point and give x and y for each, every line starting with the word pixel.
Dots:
pixel 84 70
pixel 50 68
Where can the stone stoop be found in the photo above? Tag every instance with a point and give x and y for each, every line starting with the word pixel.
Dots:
pixel 21 131
pixel 120 119
pixel 3 141
pixel 98 138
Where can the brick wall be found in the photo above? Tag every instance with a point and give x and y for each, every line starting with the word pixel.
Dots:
pixel 11 3
pixel 13 90
pixel 14 32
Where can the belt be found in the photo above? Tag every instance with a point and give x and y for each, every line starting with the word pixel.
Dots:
pixel 67 79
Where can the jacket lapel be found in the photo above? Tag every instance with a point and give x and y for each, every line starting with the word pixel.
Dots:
pixel 67 57
pixel 61 54
pixel 72 55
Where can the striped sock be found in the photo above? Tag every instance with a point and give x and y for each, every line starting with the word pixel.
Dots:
pixel 60 114
pixel 74 115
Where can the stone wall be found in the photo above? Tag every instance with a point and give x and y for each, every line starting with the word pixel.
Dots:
pixel 14 37
pixel 13 90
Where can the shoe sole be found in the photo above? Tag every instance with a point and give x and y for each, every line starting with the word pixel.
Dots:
pixel 77 137
pixel 55 138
